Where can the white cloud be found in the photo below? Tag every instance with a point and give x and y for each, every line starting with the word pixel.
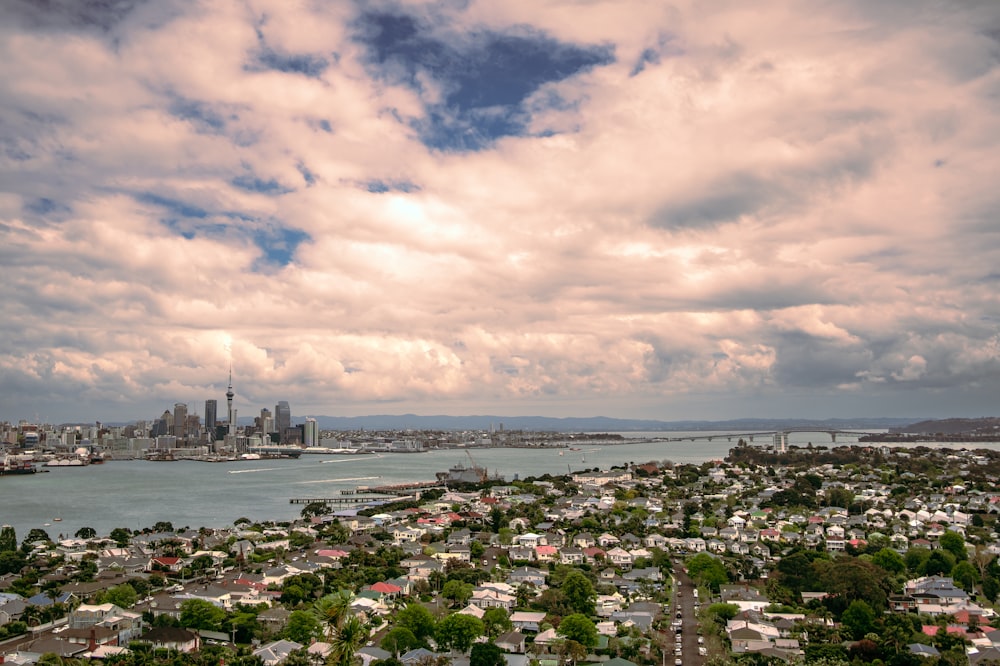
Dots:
pixel 794 200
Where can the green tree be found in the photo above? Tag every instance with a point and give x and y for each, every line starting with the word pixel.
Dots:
pixel 707 570
pixel 303 627
pixel 314 509
pixel 486 654
pixel 954 543
pixel 496 622
pixel 457 591
pixel 86 533
pixel 333 610
pixel 12 561
pixel 457 632
pixel 578 627
pixel 890 560
pixel 965 575
pixel 35 534
pixel 8 539
pixel 123 596
pixel 858 619
pixel 579 592
pixel 399 640
pixel 418 620
pixel 121 536
pixel 350 636
pixel 200 614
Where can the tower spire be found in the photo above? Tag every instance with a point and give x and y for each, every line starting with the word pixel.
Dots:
pixel 229 400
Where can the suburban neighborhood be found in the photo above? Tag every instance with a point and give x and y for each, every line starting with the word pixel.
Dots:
pixel 818 555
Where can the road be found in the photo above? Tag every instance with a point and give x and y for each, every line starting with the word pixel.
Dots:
pixel 684 602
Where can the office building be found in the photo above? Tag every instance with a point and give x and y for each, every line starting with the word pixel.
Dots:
pixel 282 417
pixel 211 411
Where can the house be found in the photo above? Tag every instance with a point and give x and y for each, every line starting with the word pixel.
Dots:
pixel 512 641
pixel 276 652
pixel 527 621
pixel 172 638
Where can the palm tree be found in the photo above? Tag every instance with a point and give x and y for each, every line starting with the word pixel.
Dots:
pixel 350 636
pixel 333 609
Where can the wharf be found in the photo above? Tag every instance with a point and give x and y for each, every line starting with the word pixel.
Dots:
pixel 345 499
pixel 396 489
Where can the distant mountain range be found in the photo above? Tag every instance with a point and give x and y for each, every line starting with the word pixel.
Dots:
pixel 586 424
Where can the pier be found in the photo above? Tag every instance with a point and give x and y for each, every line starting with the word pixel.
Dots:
pixel 346 499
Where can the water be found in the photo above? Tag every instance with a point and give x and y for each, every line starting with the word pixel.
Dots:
pixel 137 494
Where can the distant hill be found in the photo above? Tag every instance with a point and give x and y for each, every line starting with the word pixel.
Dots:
pixel 586 424
pixel 984 425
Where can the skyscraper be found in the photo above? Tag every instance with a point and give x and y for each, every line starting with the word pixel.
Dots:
pixel 180 420
pixel 211 408
pixel 282 417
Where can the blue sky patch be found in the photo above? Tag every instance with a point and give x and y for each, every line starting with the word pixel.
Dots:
pixel 384 186
pixel 278 243
pixel 252 183
pixel 485 77
pixel 307 64
pixel 200 114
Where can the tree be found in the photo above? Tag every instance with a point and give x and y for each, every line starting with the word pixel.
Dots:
pixel 333 609
pixel 123 596
pixel 35 534
pixel 579 592
pixel 399 640
pixel 86 533
pixel 303 627
pixel 121 536
pixel 954 543
pixel 496 622
pixel 418 620
pixel 708 571
pixel 457 591
pixel 965 575
pixel 890 560
pixel 8 539
pixel 486 654
pixel 350 636
pixel 578 627
pixel 858 619
pixel 200 614
pixel 315 509
pixel 457 632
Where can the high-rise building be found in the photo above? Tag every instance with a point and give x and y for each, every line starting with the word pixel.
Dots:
pixel 282 417
pixel 180 420
pixel 211 408
pixel 311 432
pixel 266 422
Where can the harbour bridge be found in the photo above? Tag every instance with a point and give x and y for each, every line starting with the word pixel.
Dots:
pixel 778 439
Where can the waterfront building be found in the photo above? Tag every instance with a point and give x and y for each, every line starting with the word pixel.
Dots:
pixel 211 413
pixel 311 431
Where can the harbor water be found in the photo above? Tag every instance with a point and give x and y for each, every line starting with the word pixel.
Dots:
pixel 137 494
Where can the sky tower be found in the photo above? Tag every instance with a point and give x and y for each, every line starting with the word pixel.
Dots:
pixel 229 401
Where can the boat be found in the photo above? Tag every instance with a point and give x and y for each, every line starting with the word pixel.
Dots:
pixel 12 465
pixel 57 520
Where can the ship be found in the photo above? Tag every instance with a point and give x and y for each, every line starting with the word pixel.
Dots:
pixel 459 473
pixel 11 465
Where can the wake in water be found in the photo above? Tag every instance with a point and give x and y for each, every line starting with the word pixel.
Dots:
pixel 253 471
pixel 350 460
pixel 347 478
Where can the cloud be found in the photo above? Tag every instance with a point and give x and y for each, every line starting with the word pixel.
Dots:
pixel 638 209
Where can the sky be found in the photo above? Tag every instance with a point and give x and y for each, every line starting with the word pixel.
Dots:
pixel 626 208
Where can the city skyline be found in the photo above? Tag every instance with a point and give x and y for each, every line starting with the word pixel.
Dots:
pixel 625 209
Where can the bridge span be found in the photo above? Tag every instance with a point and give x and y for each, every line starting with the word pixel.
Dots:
pixel 771 438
